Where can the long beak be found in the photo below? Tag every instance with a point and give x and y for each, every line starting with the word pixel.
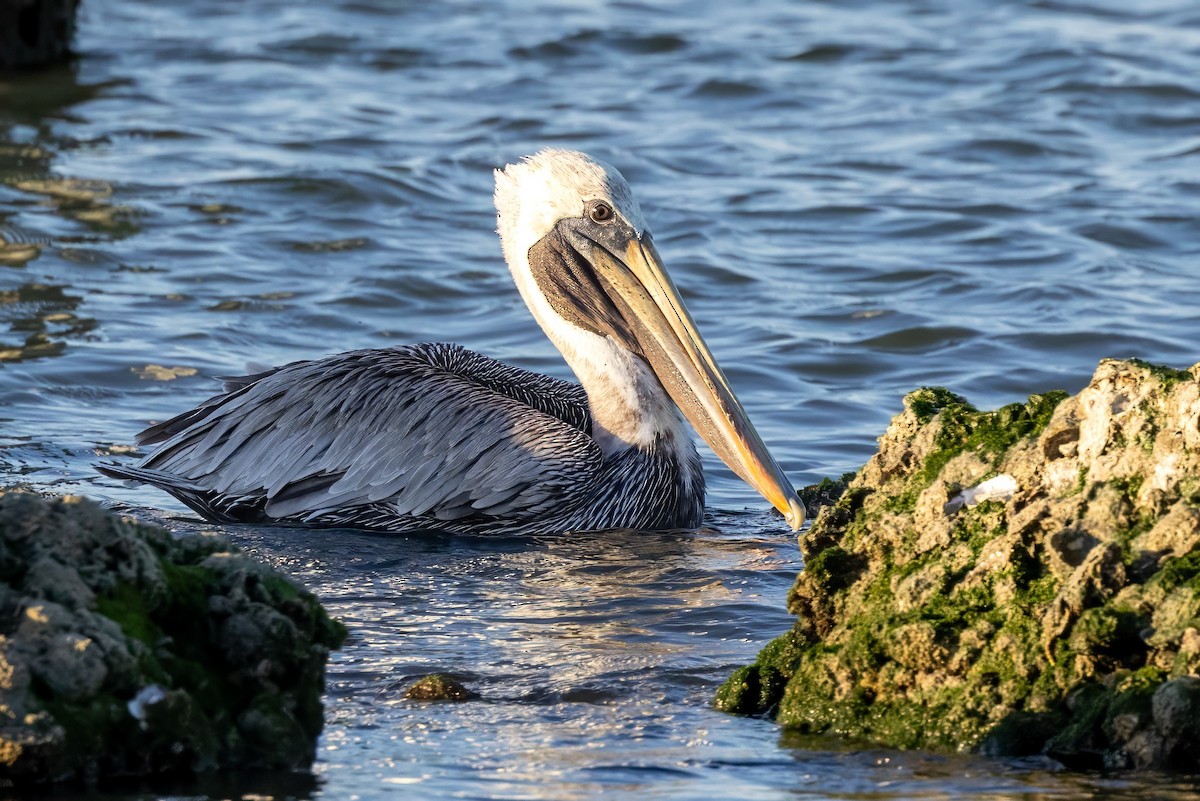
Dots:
pixel 675 350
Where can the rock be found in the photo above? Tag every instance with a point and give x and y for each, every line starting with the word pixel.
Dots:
pixel 126 651
pixel 35 32
pixel 825 493
pixel 1019 581
pixel 438 687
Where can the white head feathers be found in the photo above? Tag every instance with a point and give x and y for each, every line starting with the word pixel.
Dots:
pixel 535 193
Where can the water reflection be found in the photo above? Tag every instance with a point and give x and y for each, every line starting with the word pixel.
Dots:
pixel 85 201
pixel 40 319
pixel 593 655
pixel 42 315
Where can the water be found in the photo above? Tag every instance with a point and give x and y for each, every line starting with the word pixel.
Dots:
pixel 856 199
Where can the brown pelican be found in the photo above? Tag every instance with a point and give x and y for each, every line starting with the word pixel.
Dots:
pixel 435 436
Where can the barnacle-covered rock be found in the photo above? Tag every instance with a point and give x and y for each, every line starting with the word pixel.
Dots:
pixel 124 650
pixel 1018 581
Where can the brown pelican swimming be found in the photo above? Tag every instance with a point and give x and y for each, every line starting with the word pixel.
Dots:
pixel 435 436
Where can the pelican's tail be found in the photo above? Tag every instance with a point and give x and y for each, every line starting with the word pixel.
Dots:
pixel 210 505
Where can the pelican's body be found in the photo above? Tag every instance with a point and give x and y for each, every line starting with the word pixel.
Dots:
pixel 435 436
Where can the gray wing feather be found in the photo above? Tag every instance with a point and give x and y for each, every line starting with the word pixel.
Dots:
pixel 407 426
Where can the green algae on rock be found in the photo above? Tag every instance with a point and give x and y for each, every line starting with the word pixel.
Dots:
pixel 1019 581
pixel 124 650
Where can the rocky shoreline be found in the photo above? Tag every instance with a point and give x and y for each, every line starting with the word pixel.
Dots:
pixel 1023 581
pixel 127 651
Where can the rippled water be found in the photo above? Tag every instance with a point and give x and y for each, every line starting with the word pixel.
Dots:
pixel 855 198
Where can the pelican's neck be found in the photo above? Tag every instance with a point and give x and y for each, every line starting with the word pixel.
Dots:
pixel 629 407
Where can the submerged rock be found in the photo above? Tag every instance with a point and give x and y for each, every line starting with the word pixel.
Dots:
pixel 438 687
pixel 1019 581
pixel 124 650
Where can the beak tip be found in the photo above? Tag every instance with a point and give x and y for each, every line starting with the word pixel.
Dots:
pixel 796 513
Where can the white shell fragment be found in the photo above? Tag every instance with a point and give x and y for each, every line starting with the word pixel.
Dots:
pixel 998 488
pixel 149 695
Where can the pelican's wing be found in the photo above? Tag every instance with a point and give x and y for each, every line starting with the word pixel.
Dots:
pixel 432 430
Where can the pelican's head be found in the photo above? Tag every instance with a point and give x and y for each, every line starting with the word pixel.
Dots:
pixel 582 257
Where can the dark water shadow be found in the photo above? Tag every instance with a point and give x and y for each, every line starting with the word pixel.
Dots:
pixel 865 770
pixel 278 785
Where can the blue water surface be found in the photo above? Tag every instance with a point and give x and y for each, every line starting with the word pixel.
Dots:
pixel 855 198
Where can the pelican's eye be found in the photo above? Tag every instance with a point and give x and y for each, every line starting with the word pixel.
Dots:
pixel 601 212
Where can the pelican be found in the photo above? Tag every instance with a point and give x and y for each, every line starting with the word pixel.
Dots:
pixel 435 436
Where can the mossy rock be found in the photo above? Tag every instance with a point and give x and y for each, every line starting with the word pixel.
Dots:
pixel 1025 580
pixel 439 687
pixel 128 651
